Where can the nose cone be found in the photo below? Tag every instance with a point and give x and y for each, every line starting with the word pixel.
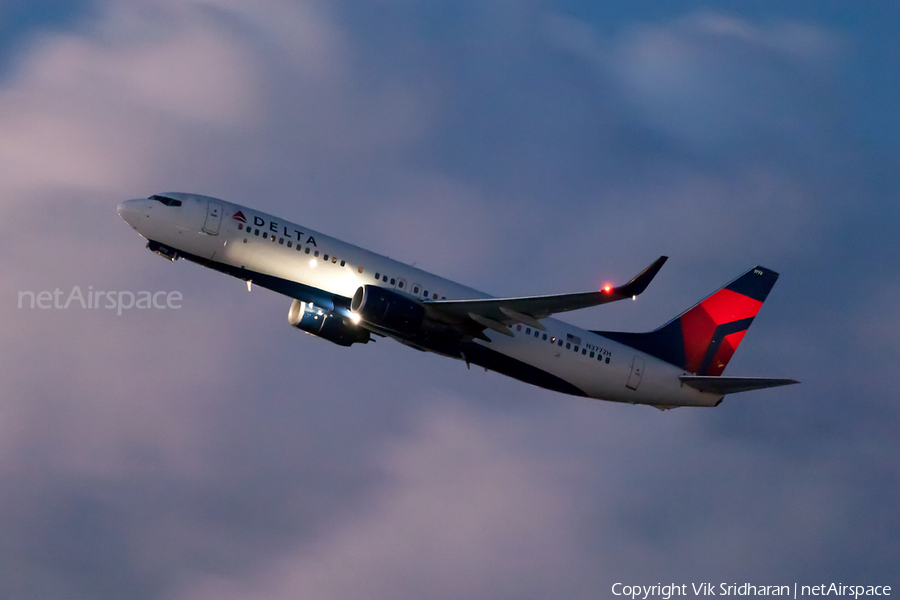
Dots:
pixel 130 211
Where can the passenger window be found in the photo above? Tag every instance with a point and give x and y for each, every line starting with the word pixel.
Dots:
pixel 393 281
pixel 537 335
pixel 281 241
pixel 559 343
pixel 518 328
pixel 434 296
pixel 425 293
pixel 343 262
pixel 416 290
pixel 360 269
pixel 306 251
pixel 401 285
pixel 316 254
pixel 607 360
pixel 545 337
pixel 592 354
pixel 325 258
pixel 273 238
pixel 333 259
pixel 576 349
pixel 240 226
pixel 290 244
pixel 256 232
pixel 568 345
pixel 377 276
pixel 583 351
pixel 384 278
pixel 528 331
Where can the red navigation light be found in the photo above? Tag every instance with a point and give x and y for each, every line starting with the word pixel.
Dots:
pixel 607 288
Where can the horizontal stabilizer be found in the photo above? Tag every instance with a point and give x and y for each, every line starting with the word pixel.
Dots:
pixel 731 385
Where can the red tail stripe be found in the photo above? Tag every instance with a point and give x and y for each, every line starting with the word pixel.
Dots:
pixel 697 329
pixel 726 306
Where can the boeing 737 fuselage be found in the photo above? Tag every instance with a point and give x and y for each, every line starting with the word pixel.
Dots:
pixel 346 294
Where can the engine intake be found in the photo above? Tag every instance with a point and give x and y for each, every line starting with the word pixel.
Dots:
pixel 325 324
pixel 388 309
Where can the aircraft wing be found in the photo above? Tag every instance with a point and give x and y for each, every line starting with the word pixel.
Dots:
pixel 498 313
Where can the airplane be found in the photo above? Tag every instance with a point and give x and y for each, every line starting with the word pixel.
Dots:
pixel 348 295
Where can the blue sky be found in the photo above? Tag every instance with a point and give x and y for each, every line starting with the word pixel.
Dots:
pixel 521 148
pixel 20 20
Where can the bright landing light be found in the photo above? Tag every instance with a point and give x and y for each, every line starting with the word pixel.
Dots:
pixel 313 262
pixel 355 318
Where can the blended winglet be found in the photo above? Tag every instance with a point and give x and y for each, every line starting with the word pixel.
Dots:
pixel 640 282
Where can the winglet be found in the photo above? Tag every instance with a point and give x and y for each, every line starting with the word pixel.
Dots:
pixel 641 280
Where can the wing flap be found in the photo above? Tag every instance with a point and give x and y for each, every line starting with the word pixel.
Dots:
pixel 732 385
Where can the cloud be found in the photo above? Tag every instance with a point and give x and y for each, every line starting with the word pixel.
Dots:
pixel 465 510
pixel 94 112
pixel 215 451
pixel 113 470
pixel 710 79
pixel 489 507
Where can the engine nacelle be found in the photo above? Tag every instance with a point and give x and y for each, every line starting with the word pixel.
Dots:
pixel 325 324
pixel 388 309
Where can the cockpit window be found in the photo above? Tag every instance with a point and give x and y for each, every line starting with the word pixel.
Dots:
pixel 166 201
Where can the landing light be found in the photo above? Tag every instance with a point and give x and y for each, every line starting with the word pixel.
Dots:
pixel 313 263
pixel 355 318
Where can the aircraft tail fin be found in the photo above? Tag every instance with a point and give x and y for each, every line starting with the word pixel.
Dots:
pixel 703 339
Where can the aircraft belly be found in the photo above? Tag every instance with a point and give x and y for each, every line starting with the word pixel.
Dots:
pixel 483 354
pixel 536 356
pixel 659 384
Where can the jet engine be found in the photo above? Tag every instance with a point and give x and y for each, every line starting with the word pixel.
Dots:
pixel 326 324
pixel 388 309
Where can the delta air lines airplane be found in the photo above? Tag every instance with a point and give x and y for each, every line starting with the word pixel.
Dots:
pixel 348 295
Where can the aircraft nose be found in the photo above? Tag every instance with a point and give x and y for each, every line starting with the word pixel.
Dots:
pixel 130 211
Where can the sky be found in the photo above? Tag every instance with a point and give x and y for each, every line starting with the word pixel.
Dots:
pixel 520 148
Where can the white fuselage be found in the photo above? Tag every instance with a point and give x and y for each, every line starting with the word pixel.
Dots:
pixel 265 245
